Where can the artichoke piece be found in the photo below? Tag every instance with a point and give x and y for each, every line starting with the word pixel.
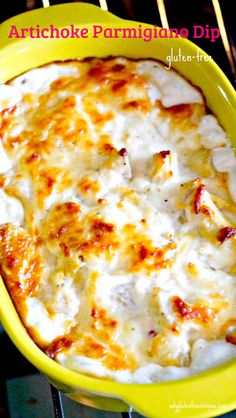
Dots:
pixel 200 162
pixel 162 166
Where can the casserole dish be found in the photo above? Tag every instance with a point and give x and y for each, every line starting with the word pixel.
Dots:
pixel 190 395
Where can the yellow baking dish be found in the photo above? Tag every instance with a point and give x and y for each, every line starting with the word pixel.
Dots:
pixel 209 393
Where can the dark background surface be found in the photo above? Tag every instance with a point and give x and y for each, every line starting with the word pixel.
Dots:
pixel 24 393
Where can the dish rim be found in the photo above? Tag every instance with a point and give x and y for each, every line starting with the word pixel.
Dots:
pixel 132 393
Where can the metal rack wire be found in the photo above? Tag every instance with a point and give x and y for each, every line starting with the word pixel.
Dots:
pixel 57 403
pixel 173 13
pixel 58 406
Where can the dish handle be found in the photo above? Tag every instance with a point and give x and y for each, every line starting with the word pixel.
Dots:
pixel 199 396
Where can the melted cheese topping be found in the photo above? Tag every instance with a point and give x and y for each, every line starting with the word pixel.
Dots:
pixel 117 219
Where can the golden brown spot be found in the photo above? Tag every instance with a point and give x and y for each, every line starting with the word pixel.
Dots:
pixel 109 148
pixel 3 181
pixel 112 355
pixel 181 109
pixel 58 345
pixel 61 231
pixel 101 201
pixel 66 250
pixel 102 228
pixel 100 319
pixel 34 157
pixel 199 194
pixel 20 264
pixel 97 71
pixel 187 114
pixel 71 208
pixel 164 154
pixel 226 233
pixel 231 337
pixel 161 165
pixel 8 111
pixel 75 233
pixel 97 117
pixel 198 312
pixel 118 68
pixel 69 102
pixel 115 362
pixel 141 105
pixel 60 83
pixel 175 329
pixel 88 186
pixel 118 85
pixel 150 258
pixel 191 269
pixel 93 349
pixel 13 142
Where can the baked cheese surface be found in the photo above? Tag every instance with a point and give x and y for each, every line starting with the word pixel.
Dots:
pixel 117 219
